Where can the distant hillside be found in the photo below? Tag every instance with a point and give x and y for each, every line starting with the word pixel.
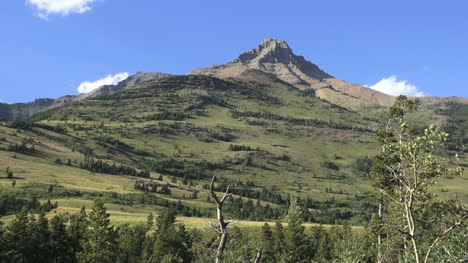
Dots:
pixel 131 81
pixel 21 111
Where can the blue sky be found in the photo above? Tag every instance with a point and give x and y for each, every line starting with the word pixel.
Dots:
pixel 49 47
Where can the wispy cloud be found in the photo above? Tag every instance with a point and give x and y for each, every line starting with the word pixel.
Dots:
pixel 45 8
pixel 395 87
pixel 89 86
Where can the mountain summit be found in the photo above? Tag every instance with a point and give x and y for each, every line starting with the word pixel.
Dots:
pixel 275 57
pixel 277 52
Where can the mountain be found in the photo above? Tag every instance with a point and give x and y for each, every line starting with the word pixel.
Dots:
pixel 131 81
pixel 276 57
pixel 21 111
pixel 271 59
pixel 257 132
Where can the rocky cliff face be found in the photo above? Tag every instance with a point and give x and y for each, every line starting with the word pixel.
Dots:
pixel 276 57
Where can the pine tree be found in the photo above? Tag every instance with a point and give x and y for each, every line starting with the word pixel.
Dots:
pixel 76 230
pixel 40 238
pixel 279 240
pixel 149 221
pixel 267 244
pixel 131 241
pixel 324 249
pixel 297 249
pixel 171 243
pixel 61 250
pixel 100 243
pixel 16 239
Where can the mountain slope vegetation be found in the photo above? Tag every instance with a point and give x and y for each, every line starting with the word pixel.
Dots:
pixel 157 144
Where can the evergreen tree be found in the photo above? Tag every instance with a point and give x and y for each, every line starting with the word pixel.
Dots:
pixel 3 244
pixel 100 243
pixel 171 243
pixel 279 240
pixel 297 249
pixel 324 249
pixel 39 239
pixel 16 239
pixel 267 243
pixel 149 221
pixel 77 229
pixel 131 241
pixel 61 250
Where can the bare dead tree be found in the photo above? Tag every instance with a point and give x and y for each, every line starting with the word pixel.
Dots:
pixel 222 226
pixel 258 258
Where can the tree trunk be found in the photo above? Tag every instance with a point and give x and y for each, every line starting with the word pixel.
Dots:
pixel 222 225
pixel 379 236
pixel 222 245
pixel 258 258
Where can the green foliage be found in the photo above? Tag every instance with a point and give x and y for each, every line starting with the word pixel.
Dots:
pixel 21 148
pixel 176 116
pixel 406 170
pixel 293 120
pixel 297 249
pixel 103 167
pixel 22 125
pixel 187 170
pixel 363 166
pixel 267 244
pixel 131 240
pixel 330 166
pixel 104 139
pixel 456 126
pixel 11 204
pixel 62 248
pixel 99 243
pixel 236 148
pixel 172 243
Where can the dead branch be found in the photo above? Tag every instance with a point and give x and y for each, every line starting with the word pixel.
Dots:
pixel 258 258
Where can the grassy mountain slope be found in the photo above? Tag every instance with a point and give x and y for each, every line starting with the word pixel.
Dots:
pixel 266 138
pixel 22 111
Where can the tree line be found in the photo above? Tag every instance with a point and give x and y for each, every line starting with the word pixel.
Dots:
pixel 12 204
pixel 297 121
pixel 99 166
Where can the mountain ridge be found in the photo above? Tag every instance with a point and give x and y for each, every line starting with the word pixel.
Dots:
pixel 272 57
pixel 20 111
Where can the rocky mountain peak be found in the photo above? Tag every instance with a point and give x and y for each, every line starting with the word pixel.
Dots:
pixel 269 51
pixel 274 56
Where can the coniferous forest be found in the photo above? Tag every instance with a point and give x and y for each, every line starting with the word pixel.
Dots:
pixel 405 221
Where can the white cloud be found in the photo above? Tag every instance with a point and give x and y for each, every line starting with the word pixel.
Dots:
pixel 45 8
pixel 89 86
pixel 395 87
